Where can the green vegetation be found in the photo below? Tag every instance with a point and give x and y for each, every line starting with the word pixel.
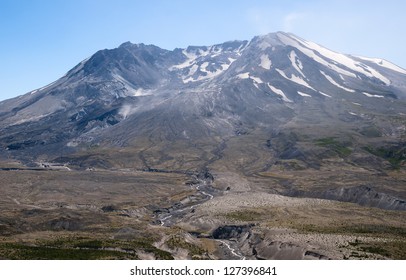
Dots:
pixel 92 244
pixel 365 229
pixel 395 155
pixel 179 242
pixel 146 245
pixel 82 249
pixel 391 249
pixel 371 132
pixel 330 142
pixel 30 252
pixel 244 216
pixel 376 250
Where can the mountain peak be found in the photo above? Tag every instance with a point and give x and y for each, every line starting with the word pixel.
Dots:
pixel 126 44
pixel 269 40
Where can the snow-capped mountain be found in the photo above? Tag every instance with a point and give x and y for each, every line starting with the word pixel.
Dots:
pixel 171 105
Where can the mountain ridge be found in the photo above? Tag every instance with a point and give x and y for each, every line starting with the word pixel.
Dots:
pixel 271 83
pixel 275 38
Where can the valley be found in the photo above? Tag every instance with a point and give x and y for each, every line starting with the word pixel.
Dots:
pixel 126 214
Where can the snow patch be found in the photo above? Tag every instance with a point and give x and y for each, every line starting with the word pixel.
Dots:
pixel 190 57
pixel 265 62
pixel 257 80
pixel 204 66
pixel 324 94
pixel 232 59
pixel 331 80
pixel 225 66
pixel 193 69
pixel 384 63
pixel 303 94
pixel 279 92
pixel 296 63
pixel 245 75
pixel 310 53
pixel 295 79
pixel 208 75
pixel 193 57
pixel 306 46
pixel 372 95
pixel 188 80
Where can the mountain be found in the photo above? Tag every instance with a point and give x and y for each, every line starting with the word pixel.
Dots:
pixel 152 99
pixel 260 148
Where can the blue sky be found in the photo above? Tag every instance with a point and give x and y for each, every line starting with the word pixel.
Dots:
pixel 42 39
